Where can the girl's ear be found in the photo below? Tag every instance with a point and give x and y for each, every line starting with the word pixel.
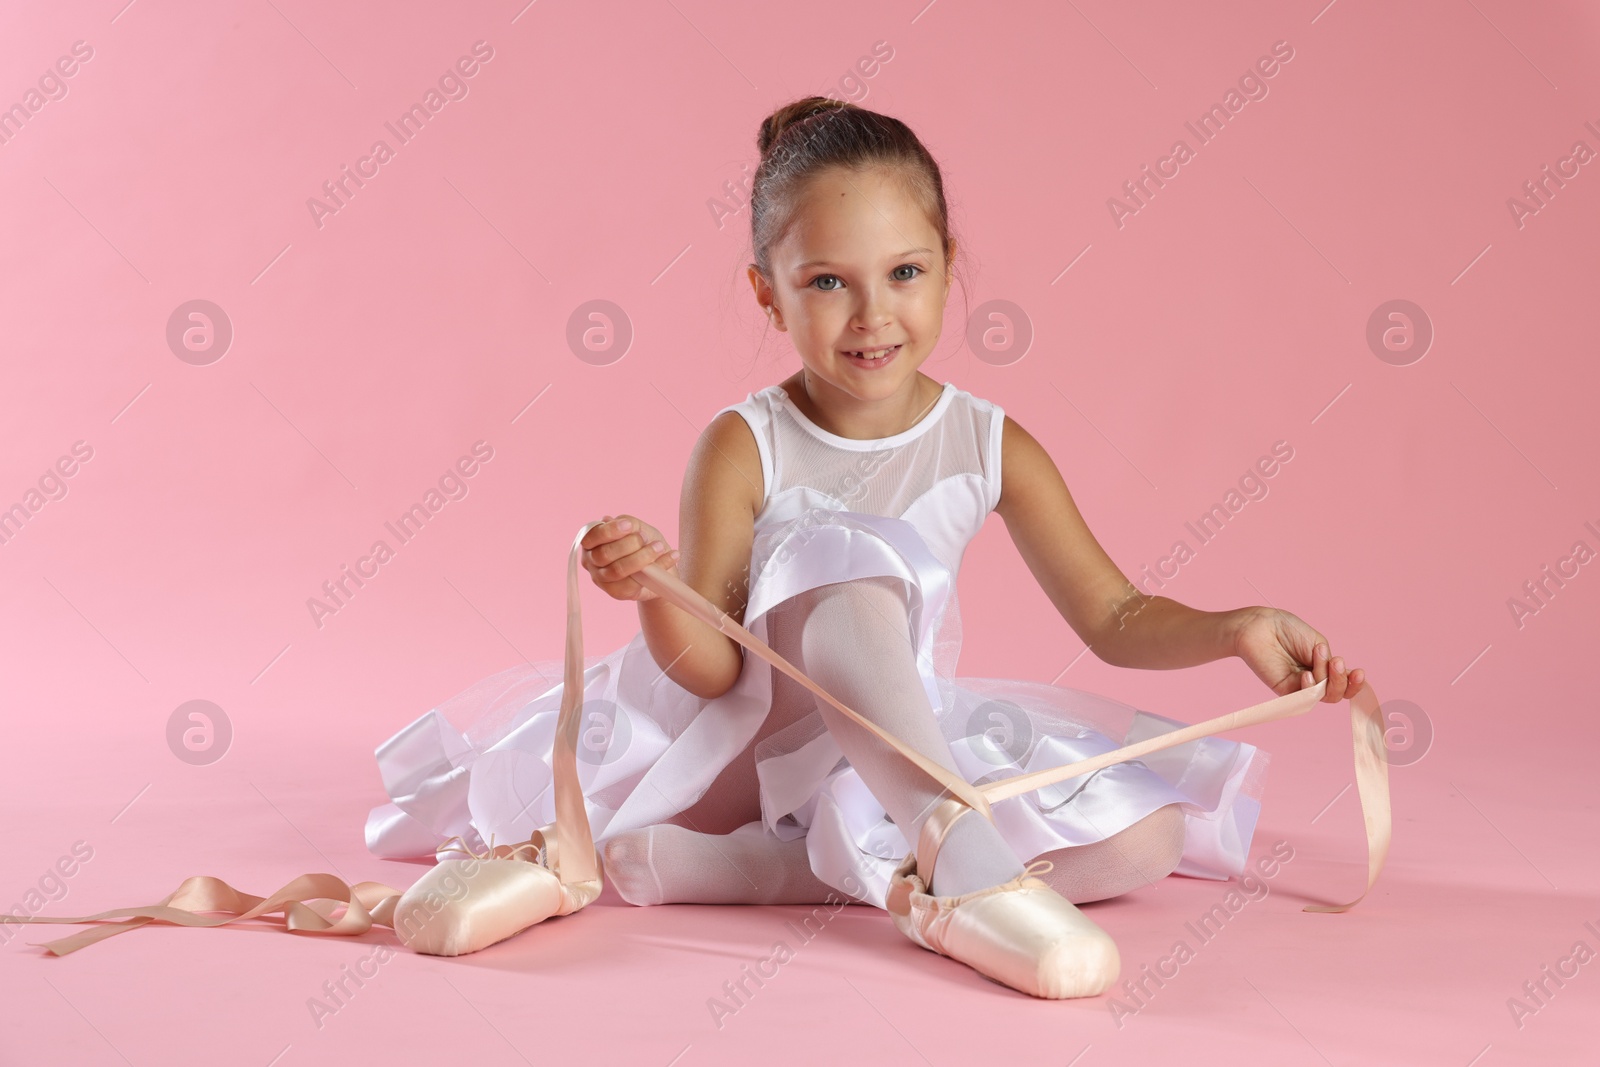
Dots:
pixel 764 297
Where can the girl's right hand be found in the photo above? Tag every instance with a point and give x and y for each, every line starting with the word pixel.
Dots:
pixel 618 548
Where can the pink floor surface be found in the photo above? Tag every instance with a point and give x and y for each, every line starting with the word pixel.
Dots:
pixel 599 168
pixel 1486 888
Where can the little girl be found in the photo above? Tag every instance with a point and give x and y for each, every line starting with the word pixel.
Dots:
pixel 828 514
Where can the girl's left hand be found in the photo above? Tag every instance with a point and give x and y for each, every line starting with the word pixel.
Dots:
pixel 1279 647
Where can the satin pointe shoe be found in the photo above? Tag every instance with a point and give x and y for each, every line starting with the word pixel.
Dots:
pixel 1021 933
pixel 459 906
pixel 464 905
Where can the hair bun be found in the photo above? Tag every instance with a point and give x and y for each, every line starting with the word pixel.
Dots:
pixel 816 135
pixel 774 124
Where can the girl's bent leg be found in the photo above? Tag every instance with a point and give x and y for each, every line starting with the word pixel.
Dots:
pixel 668 864
pixel 1139 855
pixel 717 851
pixel 855 640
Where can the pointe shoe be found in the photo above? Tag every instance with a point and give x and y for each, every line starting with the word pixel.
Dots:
pixel 464 905
pixel 1021 933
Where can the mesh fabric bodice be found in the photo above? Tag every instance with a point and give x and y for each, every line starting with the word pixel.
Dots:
pixel 942 474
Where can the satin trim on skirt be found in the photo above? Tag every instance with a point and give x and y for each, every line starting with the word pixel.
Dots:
pixel 657 748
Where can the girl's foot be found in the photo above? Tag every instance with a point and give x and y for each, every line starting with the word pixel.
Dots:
pixel 667 864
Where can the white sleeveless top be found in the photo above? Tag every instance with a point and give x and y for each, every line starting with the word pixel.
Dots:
pixel 942 474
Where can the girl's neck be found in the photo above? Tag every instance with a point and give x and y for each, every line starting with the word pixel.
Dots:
pixel 864 426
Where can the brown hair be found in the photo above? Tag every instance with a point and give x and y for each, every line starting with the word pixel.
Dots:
pixel 816 133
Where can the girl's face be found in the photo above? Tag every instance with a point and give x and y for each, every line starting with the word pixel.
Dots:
pixel 860 268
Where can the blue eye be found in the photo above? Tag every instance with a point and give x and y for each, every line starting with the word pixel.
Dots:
pixel 904 266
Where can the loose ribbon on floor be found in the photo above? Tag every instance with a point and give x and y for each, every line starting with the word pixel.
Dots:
pixel 309 902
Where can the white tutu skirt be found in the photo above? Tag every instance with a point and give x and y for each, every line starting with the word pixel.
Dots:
pixel 479 765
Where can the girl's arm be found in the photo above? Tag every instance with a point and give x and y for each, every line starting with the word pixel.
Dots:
pixel 722 488
pixel 1125 627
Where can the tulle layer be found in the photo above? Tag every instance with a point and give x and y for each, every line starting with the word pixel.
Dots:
pixel 649 748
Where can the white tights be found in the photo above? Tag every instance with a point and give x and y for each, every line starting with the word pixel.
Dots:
pixel 854 640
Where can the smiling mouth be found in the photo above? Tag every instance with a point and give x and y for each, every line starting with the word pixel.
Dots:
pixel 873 355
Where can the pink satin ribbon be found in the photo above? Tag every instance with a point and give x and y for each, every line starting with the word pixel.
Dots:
pixel 308 903
pixel 1366 727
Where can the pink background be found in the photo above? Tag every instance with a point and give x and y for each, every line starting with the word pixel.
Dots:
pixel 432 310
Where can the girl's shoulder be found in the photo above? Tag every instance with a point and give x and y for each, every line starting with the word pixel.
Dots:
pixel 756 407
pixel 777 392
pixel 761 407
pixel 974 400
pixel 981 408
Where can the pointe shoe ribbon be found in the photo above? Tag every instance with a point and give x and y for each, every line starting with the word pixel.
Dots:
pixel 1023 933
pixel 367 904
pixel 459 905
pixel 1366 728
pixel 462 906
pixel 571 838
